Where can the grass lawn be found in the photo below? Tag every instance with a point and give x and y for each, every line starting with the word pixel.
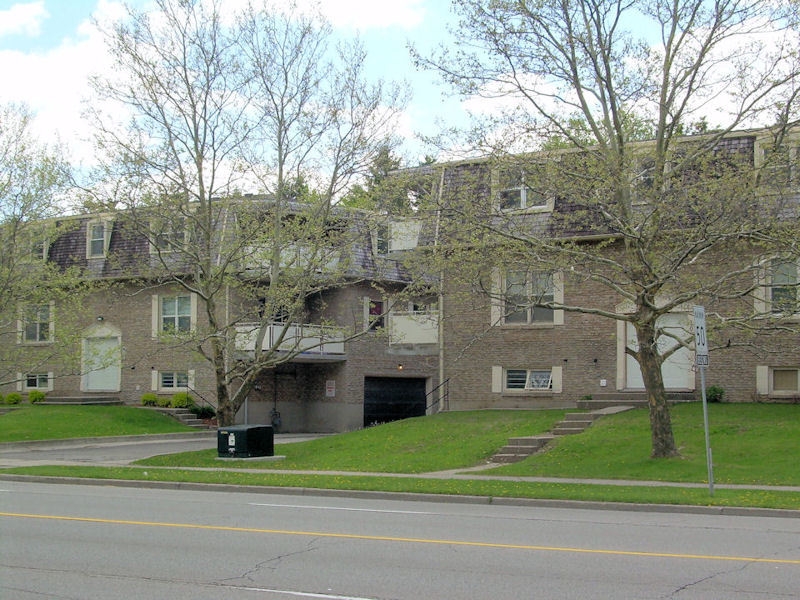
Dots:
pixel 436 443
pixel 751 444
pixel 35 422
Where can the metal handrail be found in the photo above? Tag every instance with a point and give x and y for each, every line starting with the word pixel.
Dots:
pixel 444 397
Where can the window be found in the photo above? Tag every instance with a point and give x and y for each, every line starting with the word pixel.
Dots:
pixel 519 190
pixel 176 314
pixel 522 289
pixel 785 381
pixel 36 324
pixel 37 381
pixel 98 235
pixel 529 379
pixel 381 239
pixel 783 287
pixel 174 380
pixel 780 164
pixel 173 314
pixel 168 237
pixel 373 313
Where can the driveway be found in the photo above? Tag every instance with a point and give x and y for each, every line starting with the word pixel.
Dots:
pixel 114 451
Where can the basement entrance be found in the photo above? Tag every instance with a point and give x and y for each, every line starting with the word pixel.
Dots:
pixel 393 398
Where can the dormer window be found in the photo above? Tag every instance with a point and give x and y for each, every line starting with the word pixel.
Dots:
pixel 168 237
pixel 98 236
pixel 521 189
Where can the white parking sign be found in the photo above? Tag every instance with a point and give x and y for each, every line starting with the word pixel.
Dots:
pixel 700 340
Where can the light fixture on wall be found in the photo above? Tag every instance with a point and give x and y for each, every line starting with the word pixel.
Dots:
pixel 400 367
pixel 100 319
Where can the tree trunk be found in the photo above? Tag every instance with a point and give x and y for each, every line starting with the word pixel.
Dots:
pixel 661 436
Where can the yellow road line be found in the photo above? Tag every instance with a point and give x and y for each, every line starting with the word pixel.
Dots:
pixel 383 538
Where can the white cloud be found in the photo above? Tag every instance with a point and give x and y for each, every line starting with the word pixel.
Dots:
pixel 23 19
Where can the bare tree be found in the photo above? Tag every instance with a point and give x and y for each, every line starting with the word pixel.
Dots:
pixel 220 104
pixel 658 223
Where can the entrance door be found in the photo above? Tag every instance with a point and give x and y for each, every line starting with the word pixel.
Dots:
pixel 101 364
pixel 677 371
pixel 392 398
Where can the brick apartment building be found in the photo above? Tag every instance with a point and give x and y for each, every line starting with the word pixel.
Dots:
pixel 117 344
pixel 501 350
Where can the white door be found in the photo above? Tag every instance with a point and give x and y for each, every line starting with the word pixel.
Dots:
pixel 101 364
pixel 677 371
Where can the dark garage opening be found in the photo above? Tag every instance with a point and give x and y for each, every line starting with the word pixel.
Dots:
pixel 392 398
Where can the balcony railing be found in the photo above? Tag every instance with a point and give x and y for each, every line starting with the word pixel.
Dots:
pixel 413 327
pixel 308 341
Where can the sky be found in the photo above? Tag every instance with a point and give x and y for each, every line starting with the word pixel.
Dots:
pixel 49 48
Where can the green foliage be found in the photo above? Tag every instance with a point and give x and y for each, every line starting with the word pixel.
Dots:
pixel 149 399
pixel 715 393
pixel 36 396
pixel 203 412
pixel 13 398
pixel 163 401
pixel 181 400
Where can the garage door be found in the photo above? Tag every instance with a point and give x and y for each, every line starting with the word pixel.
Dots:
pixel 392 398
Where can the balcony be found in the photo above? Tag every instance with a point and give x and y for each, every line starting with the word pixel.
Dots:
pixel 310 343
pixel 413 328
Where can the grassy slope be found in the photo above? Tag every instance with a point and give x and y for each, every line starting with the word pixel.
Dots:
pixel 751 444
pixel 61 422
pixel 436 443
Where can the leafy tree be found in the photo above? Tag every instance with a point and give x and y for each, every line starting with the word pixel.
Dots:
pixel 262 101
pixel 656 224
pixel 33 180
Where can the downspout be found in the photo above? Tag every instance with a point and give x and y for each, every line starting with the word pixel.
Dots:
pixel 440 324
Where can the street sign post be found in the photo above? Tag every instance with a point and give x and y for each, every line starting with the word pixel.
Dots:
pixel 701 359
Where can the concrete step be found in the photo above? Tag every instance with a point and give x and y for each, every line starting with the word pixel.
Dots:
pixel 520 448
pixel 501 458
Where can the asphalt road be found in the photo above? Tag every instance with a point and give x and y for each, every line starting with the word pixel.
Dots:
pixel 104 542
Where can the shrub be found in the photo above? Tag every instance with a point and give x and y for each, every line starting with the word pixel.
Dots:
pixel 203 412
pixel 163 401
pixel 715 393
pixel 35 396
pixel 13 398
pixel 181 400
pixel 149 399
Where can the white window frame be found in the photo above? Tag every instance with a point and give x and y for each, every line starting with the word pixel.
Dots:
pixel 23 386
pixel 500 380
pixel 23 321
pixel 765 381
pixel 157 380
pixel 380 239
pixel 768 172
pixel 763 303
pixel 171 239
pixel 157 325
pixel 502 177
pixel 105 240
pixel 499 309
